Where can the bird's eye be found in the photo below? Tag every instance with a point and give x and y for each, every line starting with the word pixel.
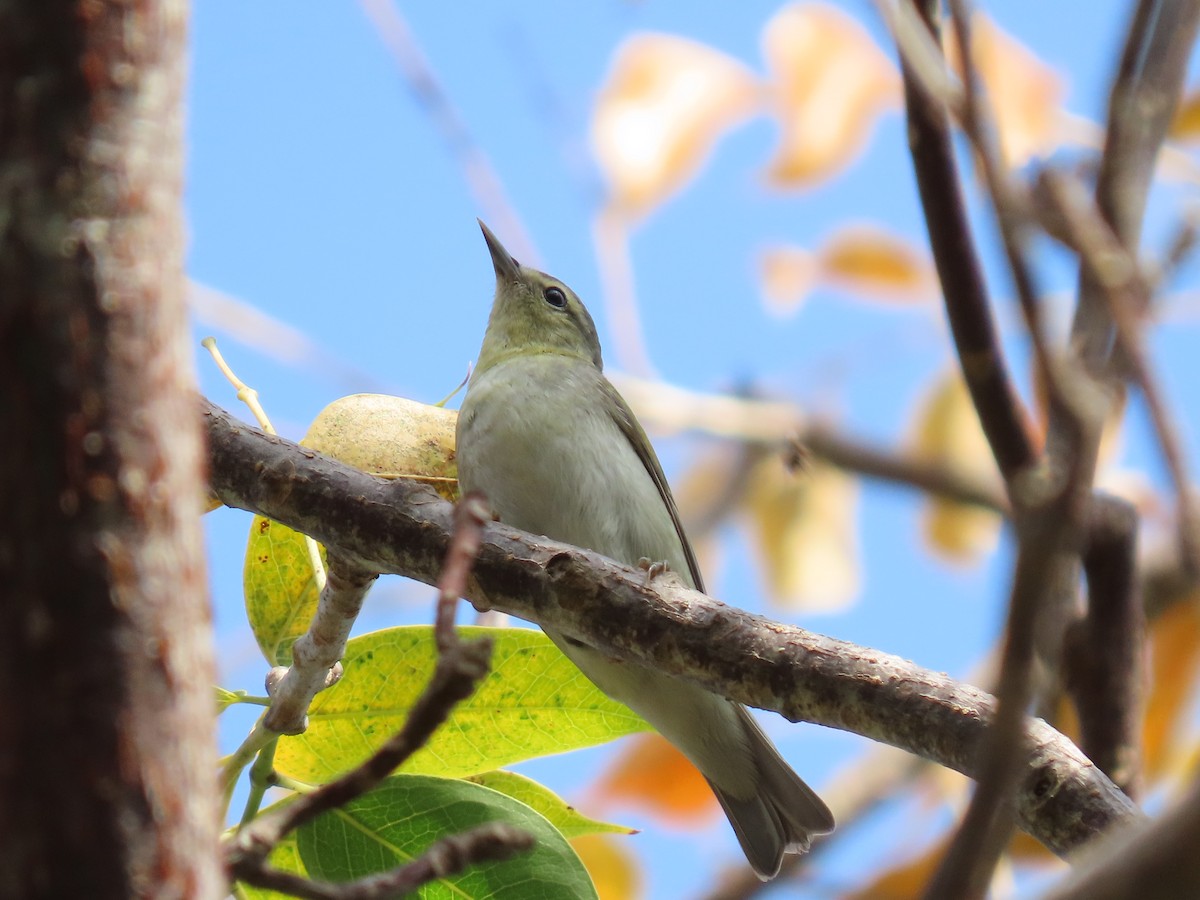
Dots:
pixel 555 297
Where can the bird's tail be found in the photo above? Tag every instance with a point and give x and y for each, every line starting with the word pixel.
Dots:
pixel 783 815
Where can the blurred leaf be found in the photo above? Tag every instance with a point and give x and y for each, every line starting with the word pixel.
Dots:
pixel 651 775
pixel 1174 669
pixel 401 818
pixel 545 802
pixel 615 873
pixel 830 81
pixel 1025 93
pixel 787 275
pixel 707 493
pixel 873 263
pixel 948 434
pixel 805 533
pixel 533 702
pixel 665 103
pixel 1029 850
pixel 281 593
pixel 1186 125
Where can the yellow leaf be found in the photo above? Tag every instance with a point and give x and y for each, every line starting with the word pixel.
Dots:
pixel 867 260
pixel 805 534
pixel 831 80
pixel 1186 125
pixel 787 274
pixel 664 105
pixel 651 775
pixel 948 435
pixel 390 436
pixel 1025 93
pixel 614 871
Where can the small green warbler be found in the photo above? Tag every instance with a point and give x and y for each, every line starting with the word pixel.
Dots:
pixel 557 451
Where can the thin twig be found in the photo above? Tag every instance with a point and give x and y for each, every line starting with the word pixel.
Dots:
pixel 470 515
pixel 1144 96
pixel 770 423
pixel 492 842
pixel 1118 277
pixel 937 481
pixel 477 168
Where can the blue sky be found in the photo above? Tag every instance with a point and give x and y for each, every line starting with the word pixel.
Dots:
pixel 320 192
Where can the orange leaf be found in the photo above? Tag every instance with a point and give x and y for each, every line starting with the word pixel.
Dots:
pixel 1186 125
pixel 865 259
pixel 1174 667
pixel 666 102
pixel 948 434
pixel 614 871
pixel 906 880
pixel 831 80
pixel 787 275
pixel 652 775
pixel 1025 93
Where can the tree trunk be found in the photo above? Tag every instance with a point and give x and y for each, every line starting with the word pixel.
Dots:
pixel 106 713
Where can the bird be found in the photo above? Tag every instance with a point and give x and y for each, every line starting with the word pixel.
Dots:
pixel 556 450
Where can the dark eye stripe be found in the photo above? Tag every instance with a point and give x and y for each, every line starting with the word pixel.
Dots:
pixel 555 297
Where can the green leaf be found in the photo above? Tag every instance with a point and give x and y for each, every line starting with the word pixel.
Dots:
pixel 397 821
pixel 281 592
pixel 532 703
pixel 227 698
pixel 545 802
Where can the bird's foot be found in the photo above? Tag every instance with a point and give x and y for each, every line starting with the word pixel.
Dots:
pixel 653 568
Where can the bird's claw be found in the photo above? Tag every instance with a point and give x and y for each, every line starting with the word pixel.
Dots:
pixel 653 568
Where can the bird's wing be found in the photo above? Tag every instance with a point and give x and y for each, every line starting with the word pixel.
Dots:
pixel 636 435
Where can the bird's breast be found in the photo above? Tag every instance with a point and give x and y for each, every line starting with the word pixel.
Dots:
pixel 535 437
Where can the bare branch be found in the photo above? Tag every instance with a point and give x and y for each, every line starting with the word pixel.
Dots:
pixel 1155 861
pixel 402 527
pixel 1105 652
pixel 1004 420
pixel 317 654
pixel 1144 96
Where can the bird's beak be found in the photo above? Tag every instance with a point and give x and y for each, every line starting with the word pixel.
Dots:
pixel 507 268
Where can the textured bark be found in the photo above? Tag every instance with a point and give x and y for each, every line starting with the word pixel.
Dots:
pixel 403 527
pixel 106 725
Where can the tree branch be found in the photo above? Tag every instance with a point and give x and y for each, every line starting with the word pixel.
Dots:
pixel 1004 420
pixel 404 528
